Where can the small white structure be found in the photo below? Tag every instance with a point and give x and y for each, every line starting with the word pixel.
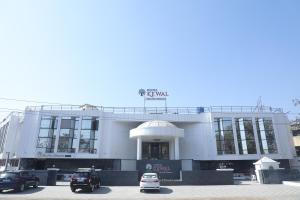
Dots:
pixel 265 163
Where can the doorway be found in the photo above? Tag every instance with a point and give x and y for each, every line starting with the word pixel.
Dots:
pixel 155 151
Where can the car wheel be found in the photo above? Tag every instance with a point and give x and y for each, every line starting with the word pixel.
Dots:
pixel 141 190
pixel 36 184
pixel 73 189
pixel 21 187
pixel 0 191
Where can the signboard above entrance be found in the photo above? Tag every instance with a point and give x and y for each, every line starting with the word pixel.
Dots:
pixel 153 94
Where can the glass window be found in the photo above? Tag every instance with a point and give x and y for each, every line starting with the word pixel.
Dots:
pixel 245 136
pixel 224 136
pixel 88 135
pixel 44 142
pixel 67 136
pixel 48 122
pixel 47 134
pixel 266 136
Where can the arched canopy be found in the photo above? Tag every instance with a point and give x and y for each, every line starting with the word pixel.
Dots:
pixel 157 129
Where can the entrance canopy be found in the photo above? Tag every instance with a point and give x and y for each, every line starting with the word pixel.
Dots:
pixel 157 129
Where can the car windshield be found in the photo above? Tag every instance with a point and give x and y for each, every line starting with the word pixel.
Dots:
pixel 81 174
pixel 8 175
pixel 149 176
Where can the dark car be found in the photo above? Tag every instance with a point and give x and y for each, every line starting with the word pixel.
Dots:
pixel 17 180
pixel 86 180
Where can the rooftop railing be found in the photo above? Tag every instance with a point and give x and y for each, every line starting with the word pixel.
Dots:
pixel 159 110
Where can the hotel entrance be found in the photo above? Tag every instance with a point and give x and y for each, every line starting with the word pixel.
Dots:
pixel 155 151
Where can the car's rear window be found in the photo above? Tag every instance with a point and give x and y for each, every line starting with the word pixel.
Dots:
pixel 81 174
pixel 8 175
pixel 149 176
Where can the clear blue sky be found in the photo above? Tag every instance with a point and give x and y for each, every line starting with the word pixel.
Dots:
pixel 101 52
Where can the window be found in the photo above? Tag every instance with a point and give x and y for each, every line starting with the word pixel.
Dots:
pixel 245 136
pixel 88 135
pixel 224 136
pixel 68 134
pixel 47 134
pixel 266 136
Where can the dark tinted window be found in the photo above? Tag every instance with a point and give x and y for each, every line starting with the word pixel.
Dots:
pixel 81 174
pixel 8 175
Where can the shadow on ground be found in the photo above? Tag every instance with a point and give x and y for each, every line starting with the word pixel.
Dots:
pixel 27 191
pixel 101 190
pixel 163 190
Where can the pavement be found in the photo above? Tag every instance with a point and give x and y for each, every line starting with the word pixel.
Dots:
pixel 225 192
pixel 292 183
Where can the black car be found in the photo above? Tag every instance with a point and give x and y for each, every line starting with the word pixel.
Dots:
pixel 85 179
pixel 17 180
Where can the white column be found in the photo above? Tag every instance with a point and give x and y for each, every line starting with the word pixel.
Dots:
pixel 139 148
pixel 78 136
pixel 258 152
pixel 176 145
pixel 236 145
pixel 57 134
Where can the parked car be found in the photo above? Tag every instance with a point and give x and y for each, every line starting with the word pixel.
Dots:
pixel 149 181
pixel 17 180
pixel 87 179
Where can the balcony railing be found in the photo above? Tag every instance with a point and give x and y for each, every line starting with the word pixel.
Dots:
pixel 158 110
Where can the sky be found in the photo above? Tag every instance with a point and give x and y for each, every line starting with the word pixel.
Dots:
pixel 203 53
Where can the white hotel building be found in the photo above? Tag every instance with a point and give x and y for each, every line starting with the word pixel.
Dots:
pixel 115 138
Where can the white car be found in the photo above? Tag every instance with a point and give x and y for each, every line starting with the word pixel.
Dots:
pixel 149 181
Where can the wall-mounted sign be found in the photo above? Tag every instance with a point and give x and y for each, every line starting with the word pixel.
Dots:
pixel 52 155
pixel 153 94
pixel 169 169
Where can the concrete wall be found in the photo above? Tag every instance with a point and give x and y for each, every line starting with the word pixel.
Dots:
pixel 119 178
pixel 42 175
pixel 128 165
pixel 187 165
pixel 278 175
pixel 207 177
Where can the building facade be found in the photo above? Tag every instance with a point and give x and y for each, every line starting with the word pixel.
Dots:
pixel 109 138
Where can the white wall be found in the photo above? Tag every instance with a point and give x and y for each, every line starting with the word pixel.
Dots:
pixel 11 136
pixel 114 142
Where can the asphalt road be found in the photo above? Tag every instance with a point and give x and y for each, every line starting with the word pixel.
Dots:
pixel 231 192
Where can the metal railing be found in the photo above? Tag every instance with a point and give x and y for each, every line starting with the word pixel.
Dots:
pixel 159 110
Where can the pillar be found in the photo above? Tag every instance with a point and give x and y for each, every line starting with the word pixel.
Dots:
pixel 139 149
pixel 176 145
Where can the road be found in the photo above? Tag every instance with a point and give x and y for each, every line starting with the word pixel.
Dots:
pixel 230 192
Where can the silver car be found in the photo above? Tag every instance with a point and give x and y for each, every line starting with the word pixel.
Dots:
pixel 149 181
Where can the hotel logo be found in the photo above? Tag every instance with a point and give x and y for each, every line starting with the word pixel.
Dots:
pixel 142 92
pixel 148 167
pixel 153 94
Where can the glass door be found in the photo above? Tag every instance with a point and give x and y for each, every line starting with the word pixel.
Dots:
pixel 155 150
